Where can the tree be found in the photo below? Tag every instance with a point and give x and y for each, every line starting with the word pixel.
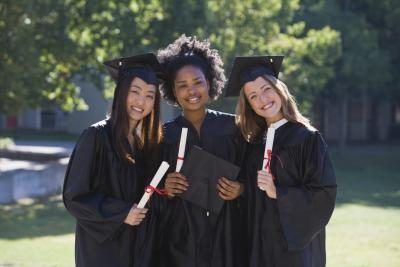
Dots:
pixel 63 40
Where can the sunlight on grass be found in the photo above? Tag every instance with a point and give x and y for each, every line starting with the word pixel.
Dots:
pixel 363 232
pixel 46 251
pixel 362 236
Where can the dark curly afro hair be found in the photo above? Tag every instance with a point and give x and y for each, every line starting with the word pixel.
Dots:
pixel 190 51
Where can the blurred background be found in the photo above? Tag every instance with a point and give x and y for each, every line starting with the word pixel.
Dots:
pixel 342 62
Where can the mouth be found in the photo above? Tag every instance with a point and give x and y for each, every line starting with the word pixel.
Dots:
pixel 193 99
pixel 268 106
pixel 139 110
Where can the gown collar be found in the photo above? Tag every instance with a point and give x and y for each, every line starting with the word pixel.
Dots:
pixel 278 124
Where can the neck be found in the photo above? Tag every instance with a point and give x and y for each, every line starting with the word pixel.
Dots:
pixel 196 116
pixel 132 127
pixel 273 120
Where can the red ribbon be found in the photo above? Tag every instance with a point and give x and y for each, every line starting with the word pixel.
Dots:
pixel 268 158
pixel 151 189
pixel 180 158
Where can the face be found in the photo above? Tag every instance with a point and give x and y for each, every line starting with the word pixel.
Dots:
pixel 140 100
pixel 191 88
pixel 263 99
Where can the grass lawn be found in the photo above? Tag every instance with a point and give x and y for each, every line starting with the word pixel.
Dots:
pixel 364 230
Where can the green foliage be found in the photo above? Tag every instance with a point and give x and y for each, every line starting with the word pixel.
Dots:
pixel 48 43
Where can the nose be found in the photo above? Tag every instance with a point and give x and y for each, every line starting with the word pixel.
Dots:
pixel 264 98
pixel 192 89
pixel 140 100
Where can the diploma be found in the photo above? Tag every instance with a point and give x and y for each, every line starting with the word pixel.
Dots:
pixel 269 144
pixel 181 151
pixel 153 184
pixel 268 149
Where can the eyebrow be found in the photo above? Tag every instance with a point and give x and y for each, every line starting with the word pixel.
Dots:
pixel 265 85
pixel 251 93
pixel 194 79
pixel 136 86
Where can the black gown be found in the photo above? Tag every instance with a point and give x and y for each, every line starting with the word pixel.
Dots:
pixel 99 190
pixel 290 231
pixel 193 236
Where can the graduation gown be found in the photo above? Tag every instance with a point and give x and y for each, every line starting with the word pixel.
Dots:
pixel 290 231
pixel 192 235
pixel 99 190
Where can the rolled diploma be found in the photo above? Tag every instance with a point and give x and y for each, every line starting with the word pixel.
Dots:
pixel 268 146
pixel 181 151
pixel 154 183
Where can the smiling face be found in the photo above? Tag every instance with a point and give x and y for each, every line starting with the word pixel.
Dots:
pixel 140 100
pixel 191 88
pixel 264 99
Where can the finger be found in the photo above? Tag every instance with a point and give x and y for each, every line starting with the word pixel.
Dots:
pixel 179 187
pixel 222 190
pixel 177 191
pixel 229 185
pixel 224 197
pixel 138 211
pixel 176 175
pixel 177 180
pixel 225 187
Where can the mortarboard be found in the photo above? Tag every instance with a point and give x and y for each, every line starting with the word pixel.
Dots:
pixel 144 66
pixel 246 69
pixel 203 169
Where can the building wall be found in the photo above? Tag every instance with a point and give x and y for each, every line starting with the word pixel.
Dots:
pixel 98 106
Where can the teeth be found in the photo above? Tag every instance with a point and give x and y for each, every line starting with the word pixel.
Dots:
pixel 267 106
pixel 137 109
pixel 193 99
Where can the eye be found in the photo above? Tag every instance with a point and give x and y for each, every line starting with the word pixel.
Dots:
pixel 252 97
pixel 134 91
pixel 151 97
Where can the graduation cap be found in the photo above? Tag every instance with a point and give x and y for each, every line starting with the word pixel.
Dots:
pixel 247 69
pixel 144 66
pixel 203 169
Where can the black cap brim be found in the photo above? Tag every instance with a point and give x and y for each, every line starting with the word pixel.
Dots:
pixel 246 69
pixel 117 66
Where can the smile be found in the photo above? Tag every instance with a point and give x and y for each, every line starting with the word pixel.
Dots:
pixel 193 100
pixel 137 109
pixel 269 105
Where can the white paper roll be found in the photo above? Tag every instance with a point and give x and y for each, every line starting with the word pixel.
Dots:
pixel 181 151
pixel 154 183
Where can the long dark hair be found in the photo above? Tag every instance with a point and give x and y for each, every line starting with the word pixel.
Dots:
pixel 150 134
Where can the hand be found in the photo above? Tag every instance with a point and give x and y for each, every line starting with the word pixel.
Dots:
pixel 135 216
pixel 227 189
pixel 175 183
pixel 265 182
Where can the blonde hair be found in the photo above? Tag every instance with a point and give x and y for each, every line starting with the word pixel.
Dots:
pixel 252 125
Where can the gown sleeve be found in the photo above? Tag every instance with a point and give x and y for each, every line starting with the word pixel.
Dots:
pixel 98 214
pixel 305 209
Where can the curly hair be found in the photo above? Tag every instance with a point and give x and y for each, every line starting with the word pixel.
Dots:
pixel 191 51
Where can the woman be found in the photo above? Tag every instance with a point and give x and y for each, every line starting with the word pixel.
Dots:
pixel 106 173
pixel 198 236
pixel 291 197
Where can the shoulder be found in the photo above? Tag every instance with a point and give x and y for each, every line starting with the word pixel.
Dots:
pixel 301 134
pixel 171 129
pixel 95 130
pixel 221 116
pixel 222 122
